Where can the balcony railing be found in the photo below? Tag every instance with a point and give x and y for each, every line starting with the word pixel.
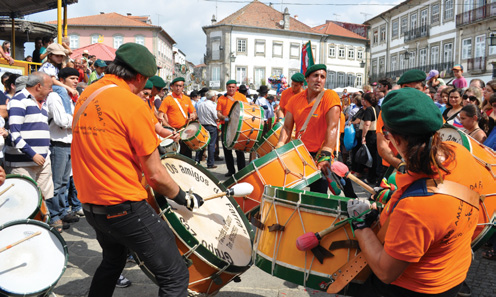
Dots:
pixel 443 68
pixel 415 33
pixel 476 64
pixel 476 15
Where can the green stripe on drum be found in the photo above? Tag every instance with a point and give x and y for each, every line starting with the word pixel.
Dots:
pixel 265 137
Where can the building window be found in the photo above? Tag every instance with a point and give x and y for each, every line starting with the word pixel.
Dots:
pixel 332 51
pixel 259 47
pixel 342 54
pixel 331 80
pixel 215 73
pixel 74 41
pixel 435 13
pixel 394 29
pixel 277 49
pixel 241 74
pixel 95 38
pixel 351 80
pixel 139 39
pixel 466 48
pixel 360 54
pixel 215 49
pixel 404 25
pixel 480 46
pixel 341 80
pixel 351 54
pixel 277 71
pixel 402 62
pixel 448 53
pixel 448 9
pixel 241 46
pixel 434 54
pixel 413 59
pixel 259 77
pixel 376 36
pixel 383 33
pixel 293 71
pixel 294 51
pixel 393 63
pixel 118 41
pixel 423 57
pixel 382 66
pixel 359 80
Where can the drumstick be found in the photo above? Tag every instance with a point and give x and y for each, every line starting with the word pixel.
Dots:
pixel 241 189
pixel 178 131
pixel 19 241
pixel 342 170
pixel 1 193
pixel 310 240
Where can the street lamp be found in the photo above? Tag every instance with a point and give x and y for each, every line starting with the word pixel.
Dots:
pixel 362 64
pixel 407 55
pixel 232 57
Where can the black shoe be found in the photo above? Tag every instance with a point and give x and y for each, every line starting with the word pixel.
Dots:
pixel 465 290
pixel 228 174
pixel 123 282
pixel 219 159
pixel 212 167
pixel 70 218
pixel 65 225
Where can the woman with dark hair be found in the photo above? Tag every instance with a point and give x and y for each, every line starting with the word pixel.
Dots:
pixel 451 114
pixel 427 244
pixel 355 120
pixel 473 123
pixel 487 92
pixel 369 137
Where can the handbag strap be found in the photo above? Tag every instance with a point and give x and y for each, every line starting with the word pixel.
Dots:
pixel 87 102
pixel 314 107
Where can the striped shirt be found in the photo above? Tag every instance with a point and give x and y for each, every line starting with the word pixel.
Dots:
pixel 29 131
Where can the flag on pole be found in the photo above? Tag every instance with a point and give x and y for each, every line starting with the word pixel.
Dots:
pixel 306 57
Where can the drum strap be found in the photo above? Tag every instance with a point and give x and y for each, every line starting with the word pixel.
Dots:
pixel 180 107
pixel 87 102
pixel 314 107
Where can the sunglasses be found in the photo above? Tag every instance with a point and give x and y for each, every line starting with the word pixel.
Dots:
pixel 471 98
pixel 146 93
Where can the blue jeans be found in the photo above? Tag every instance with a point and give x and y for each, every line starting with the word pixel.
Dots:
pixel 72 198
pixel 61 170
pixel 139 229
pixel 211 146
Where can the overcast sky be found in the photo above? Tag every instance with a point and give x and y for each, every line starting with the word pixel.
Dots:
pixel 184 19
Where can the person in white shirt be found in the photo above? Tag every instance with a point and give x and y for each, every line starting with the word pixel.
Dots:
pixel 265 103
pixel 207 115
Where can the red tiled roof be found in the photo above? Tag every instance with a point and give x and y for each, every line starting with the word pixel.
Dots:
pixel 112 19
pixel 259 15
pixel 100 50
pixel 330 28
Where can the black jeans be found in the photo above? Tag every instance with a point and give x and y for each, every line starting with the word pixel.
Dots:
pixel 211 146
pixel 142 231
pixel 374 287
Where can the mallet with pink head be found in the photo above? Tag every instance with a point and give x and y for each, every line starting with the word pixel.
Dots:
pixel 342 170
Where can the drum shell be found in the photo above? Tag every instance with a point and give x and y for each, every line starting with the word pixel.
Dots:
pixel 200 140
pixel 269 141
pixel 276 253
pixel 282 167
pixel 249 127
pixel 208 262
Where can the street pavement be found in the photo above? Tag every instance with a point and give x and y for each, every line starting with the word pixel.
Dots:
pixel 85 256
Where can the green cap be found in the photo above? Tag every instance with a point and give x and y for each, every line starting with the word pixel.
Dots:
pixel 413 75
pixel 176 80
pixel 157 81
pixel 298 77
pixel 411 112
pixel 100 63
pixel 314 68
pixel 138 58
pixel 148 85
pixel 231 81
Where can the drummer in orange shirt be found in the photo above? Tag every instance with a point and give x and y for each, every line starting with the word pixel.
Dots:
pixel 297 81
pixel 178 111
pixel 224 104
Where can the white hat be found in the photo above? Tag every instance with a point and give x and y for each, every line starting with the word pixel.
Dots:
pixel 86 52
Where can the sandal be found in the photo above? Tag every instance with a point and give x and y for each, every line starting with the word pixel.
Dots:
pixel 489 254
pixel 59 225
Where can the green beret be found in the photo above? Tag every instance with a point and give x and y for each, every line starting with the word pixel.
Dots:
pixel 298 77
pixel 148 85
pixel 314 68
pixel 413 75
pixel 157 81
pixel 138 58
pixel 411 112
pixel 176 80
pixel 232 81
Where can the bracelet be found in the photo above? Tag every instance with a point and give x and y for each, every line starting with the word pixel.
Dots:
pixel 324 156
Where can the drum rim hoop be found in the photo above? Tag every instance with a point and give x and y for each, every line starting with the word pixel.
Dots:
pixel 188 239
pixel 465 141
pixel 197 132
pixel 51 230
pixel 268 134
pixel 40 198
pixel 236 136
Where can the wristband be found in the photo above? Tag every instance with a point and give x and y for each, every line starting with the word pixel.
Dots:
pixel 180 197
pixel 324 156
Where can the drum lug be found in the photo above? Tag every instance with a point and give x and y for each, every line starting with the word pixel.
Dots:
pixel 216 279
pixel 188 261
pixel 323 285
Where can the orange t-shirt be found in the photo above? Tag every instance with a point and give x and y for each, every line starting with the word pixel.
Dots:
pixel 115 128
pixel 342 123
pixel 378 129
pixel 433 233
pixel 285 96
pixel 171 109
pixel 150 104
pixel 224 103
pixel 316 130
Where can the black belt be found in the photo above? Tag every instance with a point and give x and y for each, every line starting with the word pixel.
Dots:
pixel 110 210
pixel 209 125
pixel 59 143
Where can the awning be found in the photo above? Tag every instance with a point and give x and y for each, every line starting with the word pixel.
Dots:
pixel 20 8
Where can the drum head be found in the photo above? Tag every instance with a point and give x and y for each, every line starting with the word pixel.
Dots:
pixel 190 131
pixel 219 226
pixel 451 133
pixel 21 201
pixel 166 142
pixel 233 125
pixel 32 266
